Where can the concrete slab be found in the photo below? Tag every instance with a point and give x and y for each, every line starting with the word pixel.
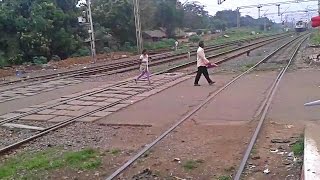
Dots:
pixel 312 152
pixel 59 118
pixel 62 107
pixel 38 117
pixel 75 108
pixel 22 126
pixel 9 115
pixel 47 111
pixel 153 111
pixel 60 112
pixel 296 89
pixel 25 110
pixel 90 108
pixel 101 114
pixel 89 119
pixel 88 103
pixel 239 102
pixel 10 106
pixel 75 113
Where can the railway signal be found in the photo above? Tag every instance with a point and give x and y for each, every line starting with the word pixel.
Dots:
pixel 315 21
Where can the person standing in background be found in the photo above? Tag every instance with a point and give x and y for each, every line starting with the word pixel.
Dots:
pixel 176 44
pixel 144 66
pixel 202 63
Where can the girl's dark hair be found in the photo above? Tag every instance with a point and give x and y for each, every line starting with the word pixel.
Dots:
pixel 144 51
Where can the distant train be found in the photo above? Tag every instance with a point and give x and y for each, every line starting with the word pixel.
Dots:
pixel 301 26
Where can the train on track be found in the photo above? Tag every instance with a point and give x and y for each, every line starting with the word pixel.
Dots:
pixel 301 26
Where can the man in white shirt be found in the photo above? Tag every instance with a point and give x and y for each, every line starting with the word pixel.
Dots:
pixel 202 63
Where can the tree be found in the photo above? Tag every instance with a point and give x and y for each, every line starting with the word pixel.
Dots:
pixel 38 28
pixel 228 16
pixel 195 16
pixel 168 15
pixel 116 16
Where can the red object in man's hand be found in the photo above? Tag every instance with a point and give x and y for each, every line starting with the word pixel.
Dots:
pixel 209 65
pixel 315 21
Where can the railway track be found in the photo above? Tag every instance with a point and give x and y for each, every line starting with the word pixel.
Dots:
pixel 105 100
pixel 117 65
pixel 290 48
pixel 69 99
pixel 29 89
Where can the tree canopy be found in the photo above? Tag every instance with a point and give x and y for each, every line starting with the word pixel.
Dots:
pixel 46 28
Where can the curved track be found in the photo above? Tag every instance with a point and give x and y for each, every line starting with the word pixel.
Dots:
pixel 295 44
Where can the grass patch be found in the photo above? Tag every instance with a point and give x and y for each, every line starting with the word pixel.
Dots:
pixel 254 150
pixel 315 38
pixel 115 151
pixel 298 147
pixel 224 178
pixel 235 34
pixel 192 164
pixel 163 44
pixel 249 65
pixel 229 169
pixel 28 165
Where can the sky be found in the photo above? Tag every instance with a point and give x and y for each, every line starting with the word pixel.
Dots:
pixel 212 7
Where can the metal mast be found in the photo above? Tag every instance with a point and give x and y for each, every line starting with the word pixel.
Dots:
pixel 91 31
pixel 138 25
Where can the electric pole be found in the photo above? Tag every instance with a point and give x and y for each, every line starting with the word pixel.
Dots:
pixel 238 17
pixel 91 31
pixel 138 25
pixel 319 7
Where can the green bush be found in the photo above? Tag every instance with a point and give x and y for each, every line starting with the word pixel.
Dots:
pixel 82 52
pixel 163 44
pixel 315 38
pixel 199 32
pixel 194 38
pixel 39 60
pixel 128 47
pixel 106 50
pixel 3 61
pixel 56 58
pixel 16 59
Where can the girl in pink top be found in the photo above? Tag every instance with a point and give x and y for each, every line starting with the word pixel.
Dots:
pixel 144 66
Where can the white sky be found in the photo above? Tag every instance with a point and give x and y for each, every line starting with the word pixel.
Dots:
pixel 212 6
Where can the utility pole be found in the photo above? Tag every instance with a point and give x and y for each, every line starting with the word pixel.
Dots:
pixel 238 17
pixel 138 25
pixel 319 7
pixel 91 31
pixel 259 11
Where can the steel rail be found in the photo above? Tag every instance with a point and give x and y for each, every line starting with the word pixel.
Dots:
pixel 73 119
pixel 266 105
pixel 187 116
pixel 120 83
pixel 72 73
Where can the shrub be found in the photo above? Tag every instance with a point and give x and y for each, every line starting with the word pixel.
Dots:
pixel 56 58
pixel 39 60
pixel 82 52
pixel 194 38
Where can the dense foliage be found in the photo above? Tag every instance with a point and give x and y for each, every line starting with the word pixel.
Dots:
pixel 39 30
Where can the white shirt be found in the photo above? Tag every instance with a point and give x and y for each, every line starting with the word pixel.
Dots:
pixel 201 57
pixel 145 60
pixel 177 43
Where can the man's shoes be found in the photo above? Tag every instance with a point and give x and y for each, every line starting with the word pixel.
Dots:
pixel 196 84
pixel 211 83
